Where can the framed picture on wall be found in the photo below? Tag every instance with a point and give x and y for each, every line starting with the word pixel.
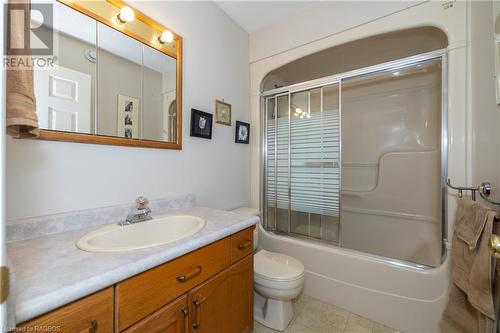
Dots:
pixel 222 113
pixel 201 124
pixel 242 134
pixel 128 117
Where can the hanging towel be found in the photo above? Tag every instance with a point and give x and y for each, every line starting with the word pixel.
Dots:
pixel 471 295
pixel 22 120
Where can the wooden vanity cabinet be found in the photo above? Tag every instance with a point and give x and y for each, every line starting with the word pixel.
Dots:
pixel 145 293
pixel 224 303
pixel 172 318
pixel 209 290
pixel 91 314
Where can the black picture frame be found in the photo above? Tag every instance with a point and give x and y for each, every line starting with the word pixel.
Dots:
pixel 238 135
pixel 196 119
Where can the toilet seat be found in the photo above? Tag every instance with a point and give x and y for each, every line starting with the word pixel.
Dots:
pixel 277 270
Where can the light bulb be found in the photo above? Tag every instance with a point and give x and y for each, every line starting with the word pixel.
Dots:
pixel 308 116
pixel 166 37
pixel 126 15
pixel 298 110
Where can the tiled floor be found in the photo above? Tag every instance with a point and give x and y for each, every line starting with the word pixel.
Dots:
pixel 314 316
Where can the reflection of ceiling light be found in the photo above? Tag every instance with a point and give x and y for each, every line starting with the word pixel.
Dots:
pixel 166 37
pixel 126 15
pixel 396 73
pixel 298 112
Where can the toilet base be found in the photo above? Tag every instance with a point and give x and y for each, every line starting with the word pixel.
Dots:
pixel 272 313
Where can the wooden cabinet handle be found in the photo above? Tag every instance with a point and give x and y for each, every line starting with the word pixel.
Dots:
pixel 197 306
pixel 190 275
pixel 243 245
pixel 93 326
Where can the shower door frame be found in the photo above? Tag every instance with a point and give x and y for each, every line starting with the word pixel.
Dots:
pixel 337 79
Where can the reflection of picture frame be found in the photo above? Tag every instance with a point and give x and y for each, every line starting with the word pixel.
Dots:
pixel 222 113
pixel 201 124
pixel 242 134
pixel 128 117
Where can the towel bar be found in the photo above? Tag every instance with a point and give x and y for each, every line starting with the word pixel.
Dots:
pixel 484 191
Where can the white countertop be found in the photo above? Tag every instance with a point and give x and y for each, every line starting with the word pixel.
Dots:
pixel 51 271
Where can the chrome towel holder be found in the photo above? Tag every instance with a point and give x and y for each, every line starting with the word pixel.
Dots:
pixel 484 191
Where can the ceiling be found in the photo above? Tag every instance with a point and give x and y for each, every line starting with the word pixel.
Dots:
pixel 255 15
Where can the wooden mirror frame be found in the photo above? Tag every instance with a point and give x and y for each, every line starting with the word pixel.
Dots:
pixel 142 23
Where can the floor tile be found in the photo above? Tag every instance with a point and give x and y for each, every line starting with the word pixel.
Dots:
pixel 315 316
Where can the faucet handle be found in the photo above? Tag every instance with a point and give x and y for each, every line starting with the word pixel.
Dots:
pixel 142 202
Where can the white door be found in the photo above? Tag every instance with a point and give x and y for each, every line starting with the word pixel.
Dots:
pixel 63 98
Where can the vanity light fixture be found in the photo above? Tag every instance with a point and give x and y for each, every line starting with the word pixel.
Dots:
pixel 126 15
pixel 166 37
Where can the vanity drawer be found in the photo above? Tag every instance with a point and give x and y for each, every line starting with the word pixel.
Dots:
pixel 242 244
pixel 145 293
pixel 93 313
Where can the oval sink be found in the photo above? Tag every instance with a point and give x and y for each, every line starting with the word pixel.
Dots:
pixel 158 231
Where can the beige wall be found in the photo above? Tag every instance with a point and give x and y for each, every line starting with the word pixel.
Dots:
pixel 484 116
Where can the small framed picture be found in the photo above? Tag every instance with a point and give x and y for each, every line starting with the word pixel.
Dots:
pixel 201 124
pixel 128 117
pixel 242 132
pixel 222 113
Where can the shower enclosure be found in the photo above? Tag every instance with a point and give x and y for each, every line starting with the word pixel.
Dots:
pixel 358 159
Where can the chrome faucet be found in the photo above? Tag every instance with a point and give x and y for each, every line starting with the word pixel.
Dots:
pixel 140 214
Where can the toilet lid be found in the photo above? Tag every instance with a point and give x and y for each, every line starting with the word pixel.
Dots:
pixel 277 266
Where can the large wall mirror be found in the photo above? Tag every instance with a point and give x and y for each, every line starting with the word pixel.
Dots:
pixel 117 78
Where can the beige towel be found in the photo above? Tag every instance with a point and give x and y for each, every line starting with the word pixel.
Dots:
pixel 463 316
pixel 22 120
pixel 471 266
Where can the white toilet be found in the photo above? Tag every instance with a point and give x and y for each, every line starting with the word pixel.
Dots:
pixel 278 279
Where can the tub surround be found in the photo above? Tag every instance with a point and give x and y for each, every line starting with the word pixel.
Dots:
pixel 51 271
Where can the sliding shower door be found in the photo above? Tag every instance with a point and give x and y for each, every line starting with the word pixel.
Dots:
pixel 391 137
pixel 303 163
pixel 358 160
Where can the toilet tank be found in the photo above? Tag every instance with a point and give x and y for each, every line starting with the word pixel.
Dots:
pixel 251 212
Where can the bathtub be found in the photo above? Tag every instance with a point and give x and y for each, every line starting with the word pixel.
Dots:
pixel 395 294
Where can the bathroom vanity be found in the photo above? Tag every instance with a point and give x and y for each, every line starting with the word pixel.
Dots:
pixel 207 290
pixel 201 283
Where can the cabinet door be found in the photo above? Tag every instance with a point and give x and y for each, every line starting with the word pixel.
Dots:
pixel 172 318
pixel 224 303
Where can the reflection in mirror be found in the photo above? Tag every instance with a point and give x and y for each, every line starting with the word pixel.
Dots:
pixel 110 82
pixel 159 116
pixel 119 87
pixel 64 94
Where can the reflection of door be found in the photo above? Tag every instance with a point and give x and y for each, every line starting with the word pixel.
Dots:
pixel 169 119
pixel 63 99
